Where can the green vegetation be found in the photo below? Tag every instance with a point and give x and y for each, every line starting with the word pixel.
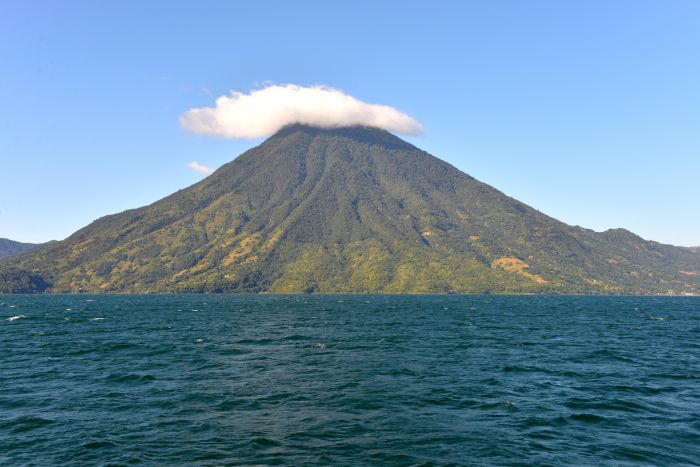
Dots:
pixel 347 210
pixel 12 281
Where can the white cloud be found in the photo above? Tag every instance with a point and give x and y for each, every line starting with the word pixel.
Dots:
pixel 203 169
pixel 264 111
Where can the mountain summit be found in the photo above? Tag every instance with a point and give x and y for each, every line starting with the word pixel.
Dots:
pixel 347 210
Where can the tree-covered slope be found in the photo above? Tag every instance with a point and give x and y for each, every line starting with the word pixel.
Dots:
pixel 349 210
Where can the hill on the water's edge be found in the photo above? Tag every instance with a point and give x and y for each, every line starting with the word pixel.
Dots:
pixel 347 210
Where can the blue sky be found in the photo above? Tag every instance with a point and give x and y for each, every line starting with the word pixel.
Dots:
pixel 587 110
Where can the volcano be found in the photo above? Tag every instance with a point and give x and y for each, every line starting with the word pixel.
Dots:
pixel 346 210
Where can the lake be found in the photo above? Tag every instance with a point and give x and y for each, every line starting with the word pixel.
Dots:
pixel 349 380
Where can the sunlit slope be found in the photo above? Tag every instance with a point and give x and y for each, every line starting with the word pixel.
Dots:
pixel 349 210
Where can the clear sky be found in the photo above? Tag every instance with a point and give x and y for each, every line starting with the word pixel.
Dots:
pixel 587 110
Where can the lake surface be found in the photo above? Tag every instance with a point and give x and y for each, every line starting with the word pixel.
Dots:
pixel 349 380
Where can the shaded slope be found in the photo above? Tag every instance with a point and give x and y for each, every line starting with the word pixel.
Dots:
pixel 351 210
pixel 12 248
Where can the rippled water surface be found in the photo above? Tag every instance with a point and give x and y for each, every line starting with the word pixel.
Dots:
pixel 349 380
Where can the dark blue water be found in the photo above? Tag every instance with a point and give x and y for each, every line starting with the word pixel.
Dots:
pixel 349 380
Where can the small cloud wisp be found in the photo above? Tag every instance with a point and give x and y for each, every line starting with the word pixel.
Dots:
pixel 203 169
pixel 263 112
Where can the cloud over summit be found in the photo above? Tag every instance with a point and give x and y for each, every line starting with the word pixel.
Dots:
pixel 264 111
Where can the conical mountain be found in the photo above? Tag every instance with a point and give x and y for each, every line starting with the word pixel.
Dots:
pixel 347 210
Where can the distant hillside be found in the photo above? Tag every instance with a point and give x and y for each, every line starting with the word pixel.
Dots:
pixel 11 248
pixel 347 210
